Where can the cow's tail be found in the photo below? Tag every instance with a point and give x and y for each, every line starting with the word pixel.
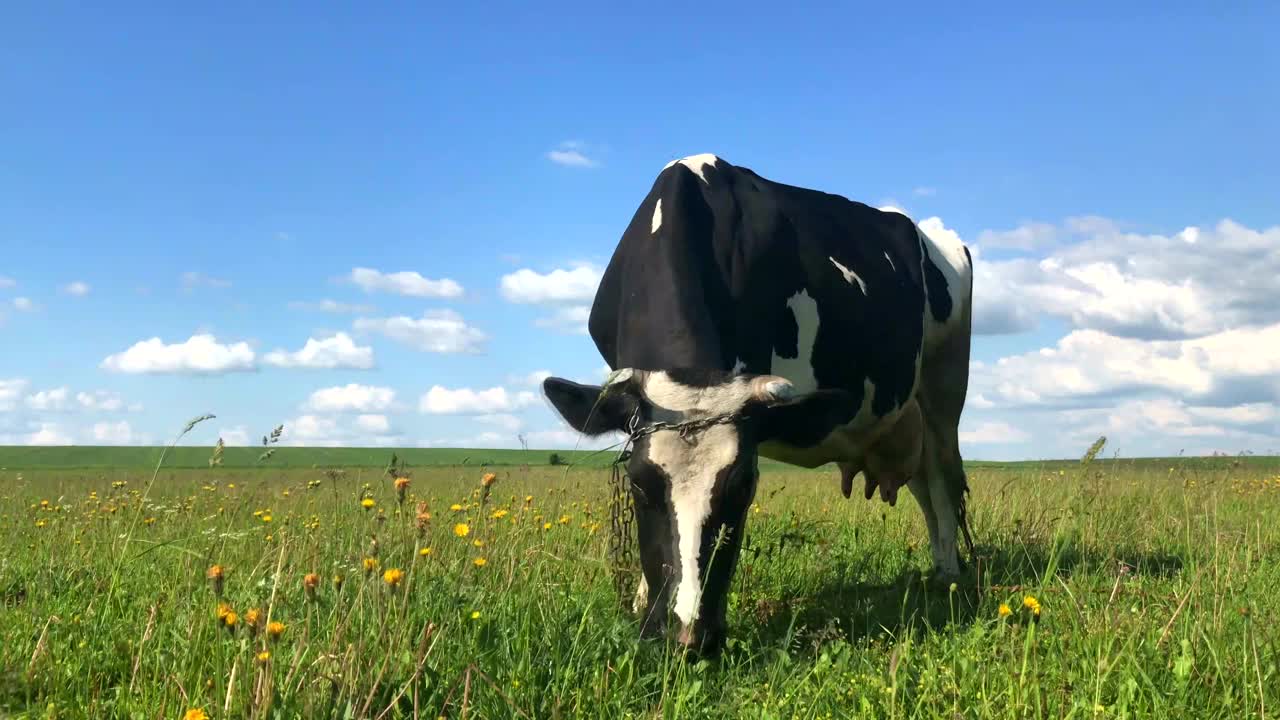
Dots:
pixel 962 487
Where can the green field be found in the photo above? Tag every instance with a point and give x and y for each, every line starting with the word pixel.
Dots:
pixel 1157 582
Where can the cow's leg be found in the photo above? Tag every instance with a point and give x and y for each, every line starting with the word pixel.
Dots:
pixel 944 383
pixel 919 487
pixel 946 555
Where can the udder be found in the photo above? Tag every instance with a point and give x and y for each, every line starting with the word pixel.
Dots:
pixel 892 460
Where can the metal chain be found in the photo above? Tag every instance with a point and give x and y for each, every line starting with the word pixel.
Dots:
pixel 622 512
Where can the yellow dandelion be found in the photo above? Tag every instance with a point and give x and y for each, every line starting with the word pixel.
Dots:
pixel 195 714
pixel 480 562
pixel 461 530
pixel 367 503
pixel 252 618
pixel 1031 604
pixel 275 629
pixel 478 542
pixel 40 523
pixel 266 518
pixel 1004 610
pixel 393 577
pixel 546 526
pixel 499 514
pixel 528 499
pixel 475 614
pixel 424 552
pixel 564 519
pixel 337 582
pixel 263 657
pixel 370 564
pixel 455 507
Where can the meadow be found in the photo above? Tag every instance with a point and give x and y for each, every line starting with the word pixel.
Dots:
pixel 325 584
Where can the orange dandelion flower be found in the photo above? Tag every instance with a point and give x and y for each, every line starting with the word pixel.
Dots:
pixel 253 619
pixel 310 582
pixel 215 574
pixel 275 629
pixel 370 564
pixel 393 577
pixel 461 530
pixel 223 610
pixel 231 620
pixel 195 714
pixel 488 479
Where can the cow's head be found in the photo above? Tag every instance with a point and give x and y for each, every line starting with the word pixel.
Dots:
pixel 693 487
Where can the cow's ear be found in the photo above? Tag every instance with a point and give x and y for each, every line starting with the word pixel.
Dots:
pixel 593 409
pixel 806 419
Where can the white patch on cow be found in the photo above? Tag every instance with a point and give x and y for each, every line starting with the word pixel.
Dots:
pixel 724 397
pixel 891 265
pixel 696 163
pixel 657 217
pixel 947 252
pixel 799 370
pixel 849 276
pixel 693 468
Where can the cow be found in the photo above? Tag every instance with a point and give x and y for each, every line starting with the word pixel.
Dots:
pixel 746 318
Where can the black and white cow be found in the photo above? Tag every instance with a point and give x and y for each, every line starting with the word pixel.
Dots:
pixel 803 327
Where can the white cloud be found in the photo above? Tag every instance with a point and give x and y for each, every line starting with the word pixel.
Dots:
pixel 507 422
pixel 988 433
pixel 1030 236
pixel 465 401
pixel 7 282
pixel 924 191
pixel 192 280
pixel 339 351
pixel 405 282
pixel 333 306
pixel 567 439
pixel 201 354
pixel 533 379
pixel 1241 365
pixel 237 436
pixel 1133 285
pixel 114 433
pixel 100 400
pixel 377 424
pixel 351 398
pixel 571 320
pixel 23 304
pixel 49 400
pixel 321 431
pixel 437 331
pixel 571 154
pixel 576 286
pixel 10 392
pixel 76 288
pixel 47 433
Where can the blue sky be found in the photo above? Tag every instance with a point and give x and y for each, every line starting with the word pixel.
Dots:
pixel 222 172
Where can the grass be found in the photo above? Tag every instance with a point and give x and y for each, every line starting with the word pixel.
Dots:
pixel 1156 581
